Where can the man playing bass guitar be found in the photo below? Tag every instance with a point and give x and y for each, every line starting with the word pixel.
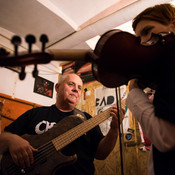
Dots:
pixel 40 120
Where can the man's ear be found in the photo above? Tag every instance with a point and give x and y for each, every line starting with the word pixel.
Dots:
pixel 57 87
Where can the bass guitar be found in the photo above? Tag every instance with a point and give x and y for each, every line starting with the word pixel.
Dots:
pixel 50 143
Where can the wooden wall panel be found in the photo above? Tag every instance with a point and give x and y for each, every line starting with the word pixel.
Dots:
pixel 12 108
pixel 89 101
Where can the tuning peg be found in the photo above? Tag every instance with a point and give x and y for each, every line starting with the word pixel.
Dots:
pixel 22 74
pixel 44 40
pixel 3 52
pixel 16 41
pixel 35 71
pixel 30 39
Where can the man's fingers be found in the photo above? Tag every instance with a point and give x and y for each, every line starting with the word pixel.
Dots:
pixel 19 160
pixel 25 158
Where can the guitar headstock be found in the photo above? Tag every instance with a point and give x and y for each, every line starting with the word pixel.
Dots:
pixel 23 59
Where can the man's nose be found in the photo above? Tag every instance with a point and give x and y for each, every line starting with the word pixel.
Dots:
pixel 75 89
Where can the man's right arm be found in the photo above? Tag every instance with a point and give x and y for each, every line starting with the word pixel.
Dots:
pixel 20 149
pixel 4 141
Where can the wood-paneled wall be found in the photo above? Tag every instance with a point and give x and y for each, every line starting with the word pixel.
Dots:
pixel 12 108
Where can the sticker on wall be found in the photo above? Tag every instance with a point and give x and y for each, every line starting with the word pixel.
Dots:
pixel 128 136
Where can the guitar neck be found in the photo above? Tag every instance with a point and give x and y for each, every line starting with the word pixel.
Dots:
pixel 74 133
pixel 24 59
pixel 71 54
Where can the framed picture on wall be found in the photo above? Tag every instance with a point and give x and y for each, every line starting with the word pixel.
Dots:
pixel 43 87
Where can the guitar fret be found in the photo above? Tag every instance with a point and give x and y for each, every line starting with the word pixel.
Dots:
pixel 72 134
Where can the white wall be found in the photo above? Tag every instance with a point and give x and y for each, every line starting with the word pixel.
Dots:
pixel 23 89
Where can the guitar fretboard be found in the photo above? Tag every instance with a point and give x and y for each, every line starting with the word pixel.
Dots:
pixel 72 134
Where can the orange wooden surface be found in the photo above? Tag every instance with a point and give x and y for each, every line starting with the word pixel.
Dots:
pixel 12 109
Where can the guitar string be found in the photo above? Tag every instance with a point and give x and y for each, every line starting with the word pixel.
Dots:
pixel 46 147
pixel 63 142
pixel 79 130
pixel 42 153
pixel 44 150
pixel 47 152
pixel 62 138
pixel 82 129
pixel 40 158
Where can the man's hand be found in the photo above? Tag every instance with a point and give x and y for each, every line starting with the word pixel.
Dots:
pixel 114 114
pixel 21 151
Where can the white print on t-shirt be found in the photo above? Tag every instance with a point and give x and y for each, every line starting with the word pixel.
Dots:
pixel 43 126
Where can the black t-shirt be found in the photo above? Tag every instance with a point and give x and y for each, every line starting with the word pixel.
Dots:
pixel 41 119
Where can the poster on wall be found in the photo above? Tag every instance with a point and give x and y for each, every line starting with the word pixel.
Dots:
pixel 84 70
pixel 105 98
pixel 43 86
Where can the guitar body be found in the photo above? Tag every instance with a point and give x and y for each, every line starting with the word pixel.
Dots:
pixel 47 160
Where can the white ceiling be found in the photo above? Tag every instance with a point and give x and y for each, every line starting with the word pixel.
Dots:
pixel 68 23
